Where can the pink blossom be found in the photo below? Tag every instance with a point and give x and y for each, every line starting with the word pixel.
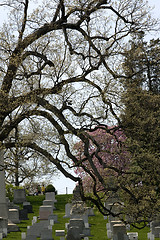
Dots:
pixel 112 153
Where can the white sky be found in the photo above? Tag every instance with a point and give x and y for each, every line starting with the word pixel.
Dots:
pixel 61 183
pixel 156 4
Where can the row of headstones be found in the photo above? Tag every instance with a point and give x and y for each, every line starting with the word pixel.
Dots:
pixel 78 226
pixel 116 229
pixel 78 223
pixel 43 228
pixel 15 214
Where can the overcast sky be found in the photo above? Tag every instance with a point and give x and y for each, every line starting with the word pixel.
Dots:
pixel 61 183
pixel 156 10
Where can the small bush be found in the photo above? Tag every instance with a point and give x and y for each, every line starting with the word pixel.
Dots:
pixel 50 188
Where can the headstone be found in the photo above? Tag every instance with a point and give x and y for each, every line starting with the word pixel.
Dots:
pixel 132 235
pixel 53 217
pixel 3 203
pixel 12 227
pixel 60 232
pixel 154 226
pixel 157 231
pixel 19 196
pixel 23 214
pixel 150 236
pixel 26 203
pixel 3 226
pixel 11 205
pixel 49 202
pixel 39 228
pixel 66 225
pixel 13 215
pixel 74 233
pixel 86 230
pixel 28 206
pixel 45 211
pixel 51 222
pixel 34 219
pixel 30 237
pixel 108 226
pixel 119 232
pixel 109 233
pixel 78 211
pixel 83 228
pixel 34 230
pixel 68 207
pixel 1 235
pixel 46 234
pixel 50 196
pixel 112 223
pixel 77 223
pixel 23 235
pixel 90 212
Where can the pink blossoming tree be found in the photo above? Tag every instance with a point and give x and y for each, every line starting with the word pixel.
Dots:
pixel 109 159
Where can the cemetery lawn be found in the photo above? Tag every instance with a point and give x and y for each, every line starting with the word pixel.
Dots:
pixel 98 224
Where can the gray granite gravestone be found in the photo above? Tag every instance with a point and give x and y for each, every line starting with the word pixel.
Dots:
pixel 3 203
pixel 68 207
pixel 23 214
pixel 60 233
pixel 132 235
pixel 45 211
pixel 74 233
pixel 46 234
pixel 79 211
pixel 28 206
pixel 119 232
pixel 77 223
pixel 154 226
pixel 50 196
pixel 13 215
pixel 38 229
pixel 90 211
pixel 19 196
pixel 49 202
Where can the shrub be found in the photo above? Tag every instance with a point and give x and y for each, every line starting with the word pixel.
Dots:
pixel 51 188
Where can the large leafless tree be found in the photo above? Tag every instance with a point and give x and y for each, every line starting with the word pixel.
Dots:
pixel 60 64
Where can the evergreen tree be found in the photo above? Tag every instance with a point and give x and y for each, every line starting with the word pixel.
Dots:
pixel 141 118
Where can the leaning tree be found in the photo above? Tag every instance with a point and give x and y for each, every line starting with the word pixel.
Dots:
pixel 60 64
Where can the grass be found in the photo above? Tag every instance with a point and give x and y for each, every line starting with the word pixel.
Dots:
pixel 98 224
